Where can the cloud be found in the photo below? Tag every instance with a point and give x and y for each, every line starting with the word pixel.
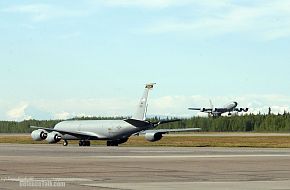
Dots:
pixel 62 115
pixel 266 19
pixel 38 11
pixel 157 4
pixel 44 12
pixel 18 113
pixel 162 106
pixel 88 107
pixel 144 3
pixel 26 111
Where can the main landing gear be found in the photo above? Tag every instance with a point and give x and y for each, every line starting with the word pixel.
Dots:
pixel 112 143
pixel 84 143
pixel 116 142
pixel 81 143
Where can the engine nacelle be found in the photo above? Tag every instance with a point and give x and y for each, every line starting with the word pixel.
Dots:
pixel 202 109
pixel 53 137
pixel 152 137
pixel 39 135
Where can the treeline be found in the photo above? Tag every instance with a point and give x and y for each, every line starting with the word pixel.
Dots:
pixel 24 126
pixel 246 123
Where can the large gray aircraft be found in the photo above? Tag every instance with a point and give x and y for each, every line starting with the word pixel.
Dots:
pixel 216 112
pixel 115 132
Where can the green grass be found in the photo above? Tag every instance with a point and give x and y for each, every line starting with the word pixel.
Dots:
pixel 181 141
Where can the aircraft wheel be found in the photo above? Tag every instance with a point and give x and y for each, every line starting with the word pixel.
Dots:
pixel 65 143
pixel 115 143
pixel 81 143
pixel 87 143
pixel 112 143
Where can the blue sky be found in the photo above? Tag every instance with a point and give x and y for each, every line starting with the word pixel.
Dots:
pixel 68 58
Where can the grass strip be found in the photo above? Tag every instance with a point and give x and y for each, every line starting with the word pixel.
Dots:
pixel 181 141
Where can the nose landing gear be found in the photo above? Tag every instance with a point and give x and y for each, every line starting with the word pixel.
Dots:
pixel 65 143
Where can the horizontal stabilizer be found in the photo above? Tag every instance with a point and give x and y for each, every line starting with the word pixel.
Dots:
pixel 164 121
pixel 137 123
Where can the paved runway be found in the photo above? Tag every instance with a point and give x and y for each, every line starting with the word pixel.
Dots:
pixel 57 167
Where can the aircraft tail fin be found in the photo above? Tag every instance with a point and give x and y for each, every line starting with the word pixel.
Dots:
pixel 142 106
pixel 211 104
pixel 211 107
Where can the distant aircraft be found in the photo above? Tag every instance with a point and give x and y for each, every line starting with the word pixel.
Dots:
pixel 216 112
pixel 114 131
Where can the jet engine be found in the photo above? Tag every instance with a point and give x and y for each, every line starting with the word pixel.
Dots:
pixel 53 137
pixel 152 137
pixel 244 109
pixel 202 109
pixel 39 135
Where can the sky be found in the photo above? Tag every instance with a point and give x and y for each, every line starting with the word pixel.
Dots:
pixel 61 59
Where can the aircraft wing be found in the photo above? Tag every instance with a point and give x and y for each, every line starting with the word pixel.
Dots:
pixel 194 108
pixel 141 123
pixel 207 110
pixel 165 131
pixel 155 124
pixel 73 133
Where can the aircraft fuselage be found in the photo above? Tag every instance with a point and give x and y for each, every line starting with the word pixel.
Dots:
pixel 104 129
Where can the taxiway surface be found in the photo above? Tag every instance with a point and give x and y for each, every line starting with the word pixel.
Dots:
pixel 97 167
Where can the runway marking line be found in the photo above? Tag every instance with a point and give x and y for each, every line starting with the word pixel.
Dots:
pixel 164 156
